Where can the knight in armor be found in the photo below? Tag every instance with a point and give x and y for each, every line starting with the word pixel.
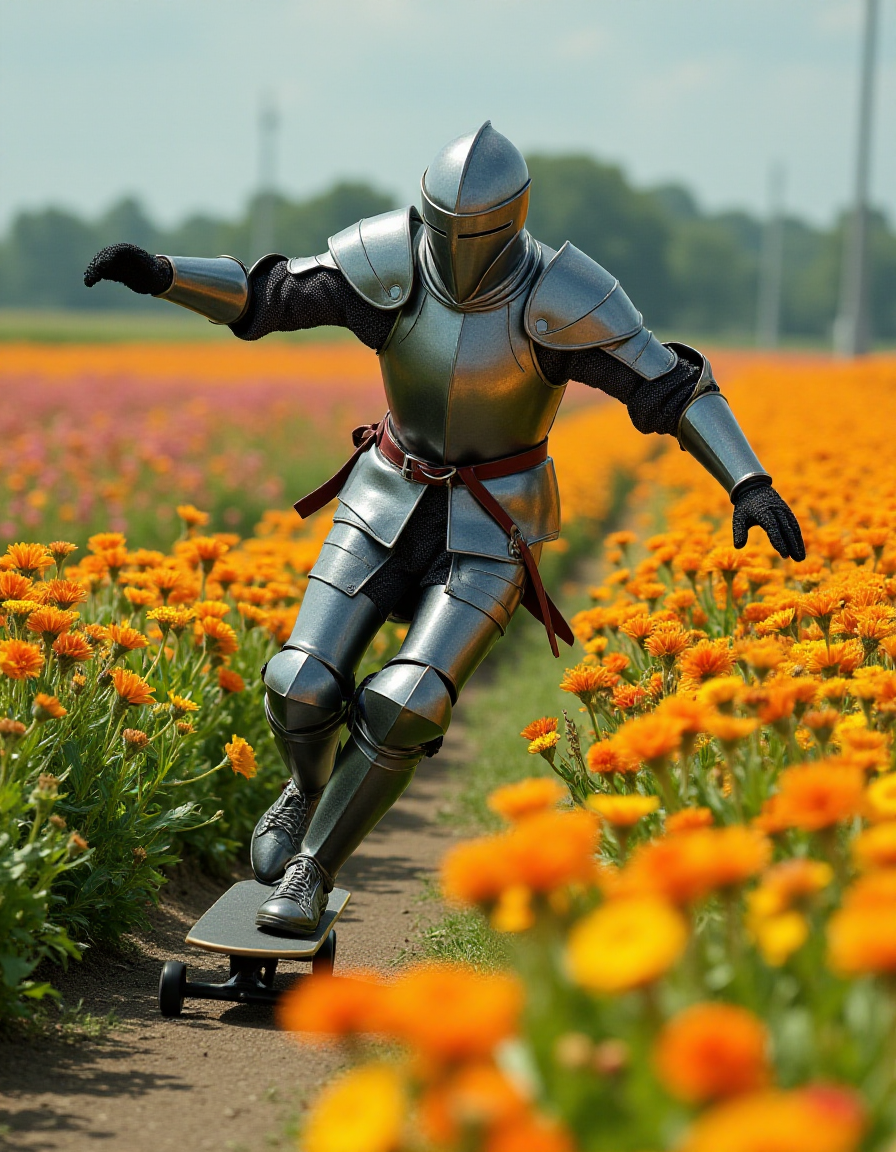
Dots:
pixel 445 505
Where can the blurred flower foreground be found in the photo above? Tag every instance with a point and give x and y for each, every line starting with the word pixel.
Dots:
pixel 697 888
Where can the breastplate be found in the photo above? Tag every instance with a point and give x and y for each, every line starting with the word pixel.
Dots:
pixel 463 387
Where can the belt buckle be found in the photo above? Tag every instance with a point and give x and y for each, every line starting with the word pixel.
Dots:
pixel 407 467
pixel 439 478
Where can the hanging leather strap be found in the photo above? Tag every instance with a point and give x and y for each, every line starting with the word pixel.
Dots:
pixel 535 597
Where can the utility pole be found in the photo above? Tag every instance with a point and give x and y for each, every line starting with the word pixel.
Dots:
pixel 852 330
pixel 262 240
pixel 768 305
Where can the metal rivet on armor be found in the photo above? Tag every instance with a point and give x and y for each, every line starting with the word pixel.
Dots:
pixel 349 587
pixel 395 291
pixel 541 326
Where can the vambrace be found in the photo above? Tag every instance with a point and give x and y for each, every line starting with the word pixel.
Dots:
pixel 708 431
pixel 217 288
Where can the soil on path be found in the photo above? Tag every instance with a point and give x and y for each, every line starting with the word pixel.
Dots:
pixel 221 1076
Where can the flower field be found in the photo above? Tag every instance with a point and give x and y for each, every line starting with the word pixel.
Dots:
pixel 697 877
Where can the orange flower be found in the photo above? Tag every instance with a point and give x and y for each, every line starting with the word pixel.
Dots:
pixel 530 1132
pixel 191 515
pixel 534 794
pixel 815 1119
pixel 476 1096
pixel 103 541
pixel 45 707
pixel 688 820
pixel 20 660
pixel 49 622
pixel 452 1013
pixel 60 550
pixel 651 739
pixel 688 868
pixel 230 681
pixel 587 682
pixel 543 852
pixel 132 689
pixel 705 661
pixel 625 944
pixel 241 756
pixel 125 639
pixel 204 551
pixel 539 728
pixel 166 580
pixel 712 1050
pixel 665 643
pixel 817 795
pixel 65 593
pixel 72 648
pixel 29 560
pixel 14 586
pixel 605 757
pixel 343 1005
pixel 220 638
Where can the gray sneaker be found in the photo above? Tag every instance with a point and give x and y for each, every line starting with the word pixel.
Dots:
pixel 298 903
pixel 278 834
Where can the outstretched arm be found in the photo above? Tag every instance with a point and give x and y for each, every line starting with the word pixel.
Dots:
pixel 685 402
pixel 267 299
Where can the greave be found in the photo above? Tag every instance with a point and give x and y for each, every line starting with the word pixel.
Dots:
pixel 308 755
pixel 364 786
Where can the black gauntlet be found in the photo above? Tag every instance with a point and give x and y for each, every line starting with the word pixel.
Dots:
pixel 132 266
pixel 760 505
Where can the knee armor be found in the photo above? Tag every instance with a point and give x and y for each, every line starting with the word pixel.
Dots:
pixel 301 692
pixel 405 708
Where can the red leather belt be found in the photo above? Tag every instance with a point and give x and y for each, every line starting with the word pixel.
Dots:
pixel 417 471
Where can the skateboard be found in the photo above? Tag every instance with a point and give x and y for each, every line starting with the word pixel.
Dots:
pixel 229 927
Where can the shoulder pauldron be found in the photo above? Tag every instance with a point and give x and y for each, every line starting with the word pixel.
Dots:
pixel 376 256
pixel 578 304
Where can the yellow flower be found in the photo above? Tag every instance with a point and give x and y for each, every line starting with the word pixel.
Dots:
pixel 180 705
pixel 625 944
pixel 363 1111
pixel 623 811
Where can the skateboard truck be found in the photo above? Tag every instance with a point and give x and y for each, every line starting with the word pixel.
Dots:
pixel 229 927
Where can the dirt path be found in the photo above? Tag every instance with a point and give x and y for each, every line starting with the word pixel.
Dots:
pixel 221 1076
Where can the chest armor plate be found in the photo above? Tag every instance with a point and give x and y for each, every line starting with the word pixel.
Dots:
pixel 463 387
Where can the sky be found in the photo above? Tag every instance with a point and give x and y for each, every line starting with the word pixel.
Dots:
pixel 161 98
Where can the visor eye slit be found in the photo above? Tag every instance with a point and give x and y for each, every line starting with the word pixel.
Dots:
pixel 487 232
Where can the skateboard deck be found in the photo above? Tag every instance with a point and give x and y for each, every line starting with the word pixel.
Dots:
pixel 229 926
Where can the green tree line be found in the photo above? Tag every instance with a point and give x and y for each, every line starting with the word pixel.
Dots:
pixel 686 269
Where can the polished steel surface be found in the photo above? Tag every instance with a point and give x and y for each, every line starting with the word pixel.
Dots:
pixel 302 691
pixel 709 431
pixel 405 705
pixel 348 558
pixel 376 498
pixel 339 648
pixel 495 587
pixel 464 387
pixel 450 635
pixel 475 196
pixel 376 256
pixel 299 265
pixel 578 304
pixel 216 288
pixel 531 499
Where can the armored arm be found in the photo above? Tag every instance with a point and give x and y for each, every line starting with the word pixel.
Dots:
pixel 586 328
pixel 215 288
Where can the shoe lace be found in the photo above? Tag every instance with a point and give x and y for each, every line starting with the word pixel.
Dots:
pixel 290 813
pixel 299 882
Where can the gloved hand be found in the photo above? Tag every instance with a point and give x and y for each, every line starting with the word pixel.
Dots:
pixel 761 505
pixel 131 266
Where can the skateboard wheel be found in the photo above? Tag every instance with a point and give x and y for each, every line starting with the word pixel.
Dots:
pixel 323 960
pixel 172 987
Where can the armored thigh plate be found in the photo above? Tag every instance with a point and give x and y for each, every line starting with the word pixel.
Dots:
pixel 450 635
pixel 335 627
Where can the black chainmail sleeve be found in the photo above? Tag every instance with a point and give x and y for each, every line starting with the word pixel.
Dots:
pixel 281 302
pixel 653 405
